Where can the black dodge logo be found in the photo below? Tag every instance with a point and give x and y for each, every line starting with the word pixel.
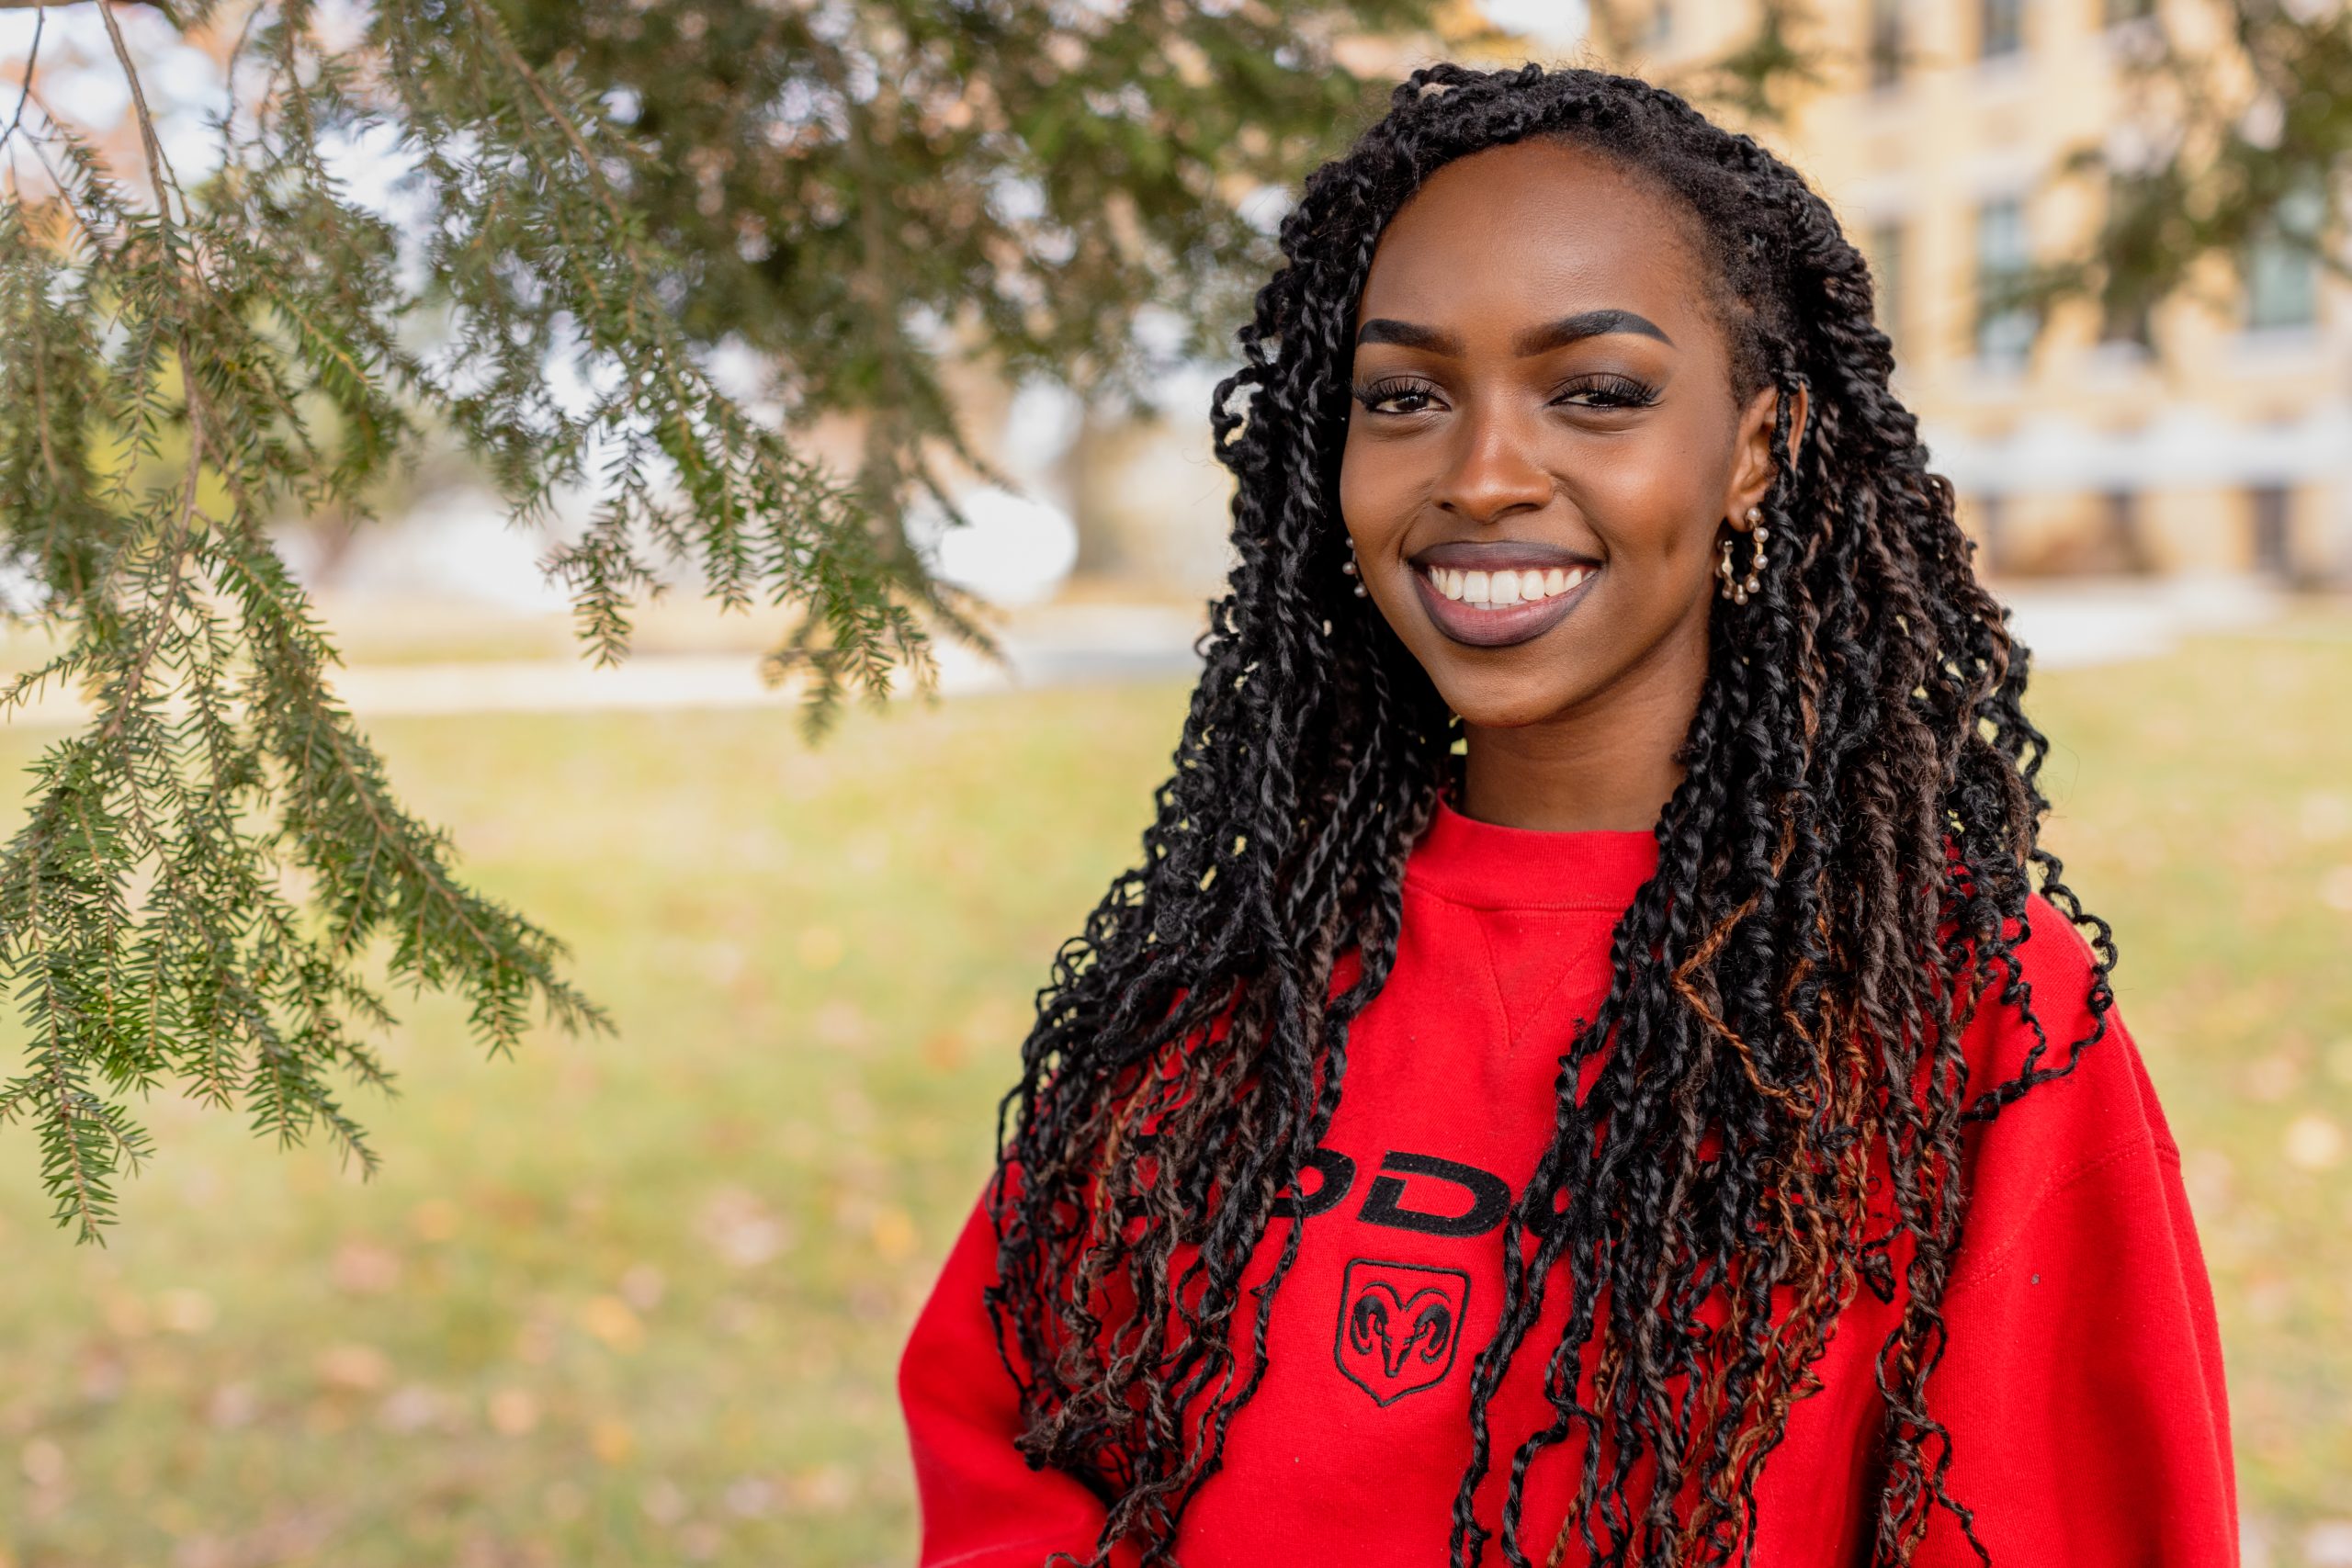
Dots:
pixel 1399 1325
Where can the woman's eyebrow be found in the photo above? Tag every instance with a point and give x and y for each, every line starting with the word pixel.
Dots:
pixel 1587 323
pixel 1408 334
pixel 1539 340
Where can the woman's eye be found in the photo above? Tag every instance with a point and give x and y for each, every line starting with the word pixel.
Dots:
pixel 1394 397
pixel 1607 392
pixel 1592 392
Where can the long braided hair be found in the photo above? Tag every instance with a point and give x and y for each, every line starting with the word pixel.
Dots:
pixel 1780 1089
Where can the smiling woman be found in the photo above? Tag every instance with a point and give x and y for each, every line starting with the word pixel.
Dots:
pixel 1499 439
pixel 1586 969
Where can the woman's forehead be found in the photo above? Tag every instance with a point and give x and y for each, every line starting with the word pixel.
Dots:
pixel 1528 231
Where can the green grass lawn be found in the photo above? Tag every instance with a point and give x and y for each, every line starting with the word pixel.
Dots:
pixel 637 1299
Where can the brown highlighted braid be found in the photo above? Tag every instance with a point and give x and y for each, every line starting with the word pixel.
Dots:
pixel 1838 877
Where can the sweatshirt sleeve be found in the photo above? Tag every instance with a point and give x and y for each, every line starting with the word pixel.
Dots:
pixel 2082 1381
pixel 982 1505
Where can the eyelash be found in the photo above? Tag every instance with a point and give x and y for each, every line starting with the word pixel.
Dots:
pixel 1619 392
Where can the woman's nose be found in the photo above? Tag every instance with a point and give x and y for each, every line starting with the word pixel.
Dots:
pixel 1492 470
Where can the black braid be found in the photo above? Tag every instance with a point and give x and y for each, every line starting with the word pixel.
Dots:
pixel 1839 876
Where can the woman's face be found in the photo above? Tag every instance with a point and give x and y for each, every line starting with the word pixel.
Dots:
pixel 1544 422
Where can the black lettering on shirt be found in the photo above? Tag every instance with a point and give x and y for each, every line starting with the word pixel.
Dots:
pixel 1489 1198
pixel 1339 1174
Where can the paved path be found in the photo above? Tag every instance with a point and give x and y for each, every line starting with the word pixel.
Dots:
pixel 2071 625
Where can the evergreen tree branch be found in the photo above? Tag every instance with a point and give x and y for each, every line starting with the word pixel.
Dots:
pixel 163 8
pixel 159 167
pixel 32 66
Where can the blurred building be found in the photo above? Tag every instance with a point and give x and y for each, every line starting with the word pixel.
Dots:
pixel 2212 435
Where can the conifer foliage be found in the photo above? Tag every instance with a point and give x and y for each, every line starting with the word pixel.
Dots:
pixel 206 867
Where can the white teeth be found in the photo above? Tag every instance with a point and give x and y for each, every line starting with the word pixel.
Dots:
pixel 1497 590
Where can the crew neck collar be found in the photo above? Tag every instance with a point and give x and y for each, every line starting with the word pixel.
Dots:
pixel 1487 865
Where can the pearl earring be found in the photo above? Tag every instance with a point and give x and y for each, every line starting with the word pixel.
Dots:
pixel 1349 566
pixel 1737 590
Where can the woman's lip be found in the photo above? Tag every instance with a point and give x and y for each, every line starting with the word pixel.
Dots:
pixel 1500 628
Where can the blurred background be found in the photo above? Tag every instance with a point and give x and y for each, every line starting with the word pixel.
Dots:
pixel 638 1298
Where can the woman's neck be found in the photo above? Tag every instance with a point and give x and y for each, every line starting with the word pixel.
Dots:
pixel 1608 763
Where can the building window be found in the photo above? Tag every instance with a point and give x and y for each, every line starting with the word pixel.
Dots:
pixel 1886 42
pixel 2281 264
pixel 2000 28
pixel 1992 519
pixel 1661 25
pixel 2273 508
pixel 2127 545
pixel 2125 321
pixel 1883 243
pixel 2004 323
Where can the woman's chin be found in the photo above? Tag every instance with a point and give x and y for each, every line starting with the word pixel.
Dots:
pixel 1490 699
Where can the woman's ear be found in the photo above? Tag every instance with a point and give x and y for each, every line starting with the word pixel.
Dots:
pixel 1752 470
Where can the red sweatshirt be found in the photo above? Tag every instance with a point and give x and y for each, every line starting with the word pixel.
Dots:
pixel 2082 1383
